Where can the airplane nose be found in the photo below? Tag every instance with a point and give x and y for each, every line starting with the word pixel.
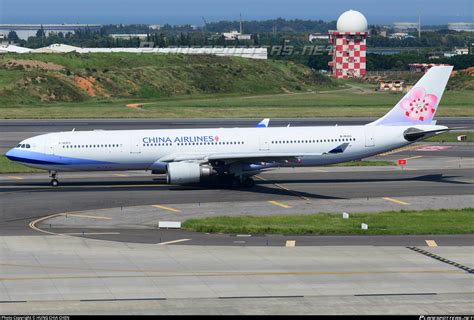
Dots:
pixel 9 154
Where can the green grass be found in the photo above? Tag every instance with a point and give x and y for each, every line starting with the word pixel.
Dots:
pixel 364 163
pixel 395 223
pixel 327 104
pixel 7 166
pixel 186 86
pixel 451 137
pixel 154 76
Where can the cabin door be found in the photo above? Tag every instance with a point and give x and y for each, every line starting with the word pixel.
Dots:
pixel 135 145
pixel 369 137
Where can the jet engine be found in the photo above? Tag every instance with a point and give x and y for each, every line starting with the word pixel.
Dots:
pixel 187 172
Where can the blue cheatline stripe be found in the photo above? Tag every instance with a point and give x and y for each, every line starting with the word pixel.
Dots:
pixel 26 160
pixel 42 158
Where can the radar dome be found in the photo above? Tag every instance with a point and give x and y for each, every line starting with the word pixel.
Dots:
pixel 352 21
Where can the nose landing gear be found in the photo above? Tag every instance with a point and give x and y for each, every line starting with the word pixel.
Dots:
pixel 54 182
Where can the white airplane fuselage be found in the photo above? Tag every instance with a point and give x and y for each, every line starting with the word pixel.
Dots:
pixel 143 149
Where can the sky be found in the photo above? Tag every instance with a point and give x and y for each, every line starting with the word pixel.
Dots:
pixel 432 12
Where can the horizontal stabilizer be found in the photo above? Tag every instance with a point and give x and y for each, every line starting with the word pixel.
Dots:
pixel 412 134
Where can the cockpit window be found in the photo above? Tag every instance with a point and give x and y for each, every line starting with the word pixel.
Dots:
pixel 23 146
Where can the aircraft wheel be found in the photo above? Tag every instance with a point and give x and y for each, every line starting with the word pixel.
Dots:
pixel 248 183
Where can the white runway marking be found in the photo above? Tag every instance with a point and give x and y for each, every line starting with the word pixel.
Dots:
pixel 174 241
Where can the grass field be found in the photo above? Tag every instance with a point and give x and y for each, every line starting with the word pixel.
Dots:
pixel 330 103
pixel 364 163
pixel 40 79
pixel 7 166
pixel 43 86
pixel 452 137
pixel 402 222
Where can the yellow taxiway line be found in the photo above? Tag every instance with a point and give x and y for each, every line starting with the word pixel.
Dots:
pixel 120 175
pixel 165 208
pixel 232 274
pixel 279 204
pixel 399 150
pixel 296 193
pixel 85 216
pixel 90 233
pixel 33 224
pixel 15 177
pixel 396 201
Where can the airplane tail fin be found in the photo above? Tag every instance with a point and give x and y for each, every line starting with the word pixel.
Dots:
pixel 419 105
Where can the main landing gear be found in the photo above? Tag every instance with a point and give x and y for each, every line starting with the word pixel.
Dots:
pixel 243 183
pixel 230 181
pixel 54 182
pixel 248 183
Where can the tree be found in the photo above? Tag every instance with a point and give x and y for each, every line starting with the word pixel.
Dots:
pixel 12 36
pixel 41 34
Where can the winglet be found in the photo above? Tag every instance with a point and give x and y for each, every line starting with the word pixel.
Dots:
pixel 264 123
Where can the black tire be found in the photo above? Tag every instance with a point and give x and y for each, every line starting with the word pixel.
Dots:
pixel 248 183
pixel 54 183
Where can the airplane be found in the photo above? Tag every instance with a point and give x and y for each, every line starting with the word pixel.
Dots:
pixel 234 155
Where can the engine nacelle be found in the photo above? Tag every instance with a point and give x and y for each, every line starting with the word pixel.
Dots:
pixel 186 172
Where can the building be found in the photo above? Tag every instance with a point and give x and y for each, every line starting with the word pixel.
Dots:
pixel 249 53
pixel 456 52
pixel 10 48
pixel 406 26
pixel 423 67
pixel 400 35
pixel 318 36
pixel 391 85
pixel 57 48
pixel 461 26
pixel 349 46
pixel 235 35
pixel 128 36
pixel 24 31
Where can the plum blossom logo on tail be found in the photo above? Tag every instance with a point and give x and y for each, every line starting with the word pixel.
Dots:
pixel 419 105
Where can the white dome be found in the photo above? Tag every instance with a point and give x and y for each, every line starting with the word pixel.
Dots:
pixel 352 21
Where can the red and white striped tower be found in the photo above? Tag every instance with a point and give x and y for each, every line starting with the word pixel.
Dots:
pixel 349 46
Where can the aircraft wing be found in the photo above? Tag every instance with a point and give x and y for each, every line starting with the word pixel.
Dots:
pixel 250 157
pixel 237 156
